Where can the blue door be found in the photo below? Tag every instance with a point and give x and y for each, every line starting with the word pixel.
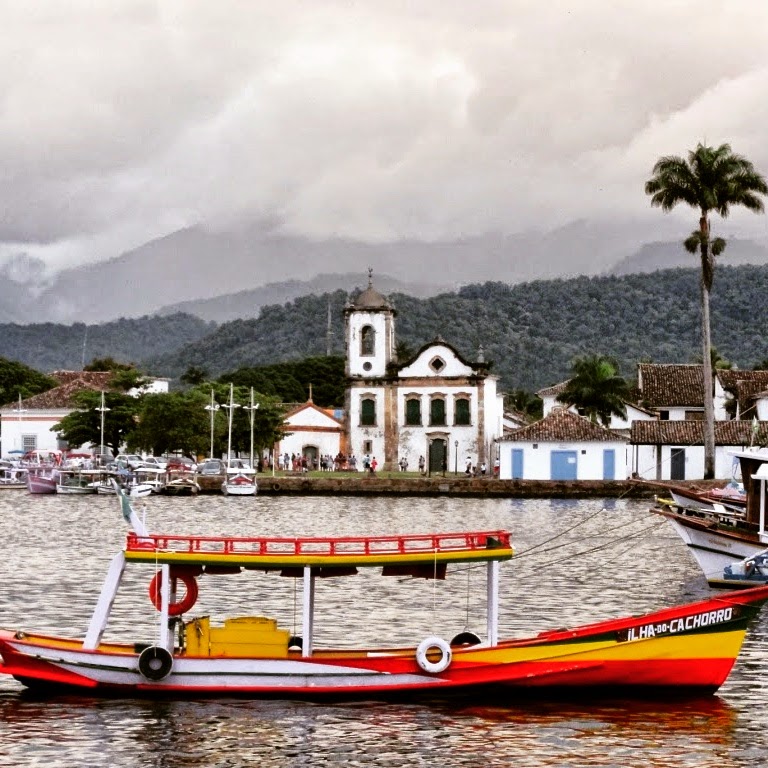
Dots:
pixel 563 465
pixel 517 463
pixel 609 464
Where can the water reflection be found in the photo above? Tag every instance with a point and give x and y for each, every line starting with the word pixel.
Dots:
pixel 577 562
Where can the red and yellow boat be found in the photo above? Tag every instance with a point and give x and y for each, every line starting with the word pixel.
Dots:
pixel 688 648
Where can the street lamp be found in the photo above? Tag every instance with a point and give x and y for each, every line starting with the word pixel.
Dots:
pixel 213 407
pixel 103 409
pixel 455 457
pixel 252 408
pixel 230 407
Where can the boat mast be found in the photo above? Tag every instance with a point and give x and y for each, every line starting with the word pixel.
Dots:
pixel 252 408
pixel 230 407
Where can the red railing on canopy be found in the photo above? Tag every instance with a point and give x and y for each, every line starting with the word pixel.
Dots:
pixel 343 546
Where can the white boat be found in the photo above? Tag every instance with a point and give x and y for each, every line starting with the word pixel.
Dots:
pixel 78 482
pixel 12 475
pixel 240 479
pixel 721 536
pixel 240 476
pixel 146 481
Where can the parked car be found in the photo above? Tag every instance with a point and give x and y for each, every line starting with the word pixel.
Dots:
pixel 180 464
pixel 129 460
pixel 159 462
pixel 212 467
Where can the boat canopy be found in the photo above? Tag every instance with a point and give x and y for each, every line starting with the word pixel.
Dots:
pixel 265 553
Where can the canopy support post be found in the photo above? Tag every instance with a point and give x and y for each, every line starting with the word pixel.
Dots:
pixel 166 638
pixel 103 608
pixel 493 602
pixel 308 612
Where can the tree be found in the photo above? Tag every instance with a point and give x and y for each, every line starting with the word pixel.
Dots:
pixel 194 376
pixel 17 380
pixel 83 425
pixel 175 421
pixel 711 179
pixel 596 389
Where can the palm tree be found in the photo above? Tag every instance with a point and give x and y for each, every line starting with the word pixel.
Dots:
pixel 711 179
pixel 596 389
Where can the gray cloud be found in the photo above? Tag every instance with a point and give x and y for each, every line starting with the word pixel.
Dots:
pixel 122 121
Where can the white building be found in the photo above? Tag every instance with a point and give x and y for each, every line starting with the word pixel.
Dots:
pixel 563 446
pixel 28 425
pixel 437 405
pixel 311 432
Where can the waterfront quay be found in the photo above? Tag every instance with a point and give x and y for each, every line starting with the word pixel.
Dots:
pixel 406 484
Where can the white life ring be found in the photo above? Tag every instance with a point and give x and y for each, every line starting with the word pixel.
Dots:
pixel 429 646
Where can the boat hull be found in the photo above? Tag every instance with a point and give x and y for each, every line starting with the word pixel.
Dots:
pixel 37 483
pixel 689 648
pixel 714 548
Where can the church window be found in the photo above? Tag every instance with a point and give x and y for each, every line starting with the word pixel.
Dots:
pixel 437 364
pixel 413 411
pixel 368 412
pixel 367 341
pixel 462 414
pixel 437 412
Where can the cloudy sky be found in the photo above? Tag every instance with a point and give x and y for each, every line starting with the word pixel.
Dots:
pixel 122 121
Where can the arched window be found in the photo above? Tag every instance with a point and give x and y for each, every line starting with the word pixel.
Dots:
pixel 413 411
pixel 437 412
pixel 368 412
pixel 367 340
pixel 461 412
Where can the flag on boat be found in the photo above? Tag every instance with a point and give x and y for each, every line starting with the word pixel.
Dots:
pixel 128 511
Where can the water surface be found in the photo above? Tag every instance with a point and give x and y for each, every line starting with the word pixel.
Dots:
pixel 578 561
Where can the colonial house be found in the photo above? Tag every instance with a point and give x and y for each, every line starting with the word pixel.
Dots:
pixel 617 423
pixel 437 405
pixel 738 393
pixel 674 450
pixel 312 432
pixel 665 427
pixel 563 446
pixel 28 425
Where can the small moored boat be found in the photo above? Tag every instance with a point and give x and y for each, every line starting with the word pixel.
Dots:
pixel 720 535
pixel 240 479
pixel 688 648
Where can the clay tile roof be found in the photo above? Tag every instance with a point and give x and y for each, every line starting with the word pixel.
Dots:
pixel 560 426
pixel 731 379
pixel 671 385
pixel 554 390
pixel 683 433
pixel 72 383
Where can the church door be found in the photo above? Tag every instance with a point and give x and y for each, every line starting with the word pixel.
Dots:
pixel 438 456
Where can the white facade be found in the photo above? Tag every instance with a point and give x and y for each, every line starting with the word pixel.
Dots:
pixel 576 460
pixel 311 432
pixel 668 462
pixel 436 406
pixel 25 427
pixel 30 429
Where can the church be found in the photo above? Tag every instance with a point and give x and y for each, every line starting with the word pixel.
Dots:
pixel 436 406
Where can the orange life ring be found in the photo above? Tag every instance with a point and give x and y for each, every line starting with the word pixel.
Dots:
pixel 180 606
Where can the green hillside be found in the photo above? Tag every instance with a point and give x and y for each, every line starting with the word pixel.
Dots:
pixel 530 331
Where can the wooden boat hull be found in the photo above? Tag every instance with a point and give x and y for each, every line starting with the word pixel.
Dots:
pixel 714 547
pixel 688 648
pixel 37 483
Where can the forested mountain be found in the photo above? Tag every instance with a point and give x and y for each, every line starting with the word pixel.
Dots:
pixel 49 346
pixel 531 331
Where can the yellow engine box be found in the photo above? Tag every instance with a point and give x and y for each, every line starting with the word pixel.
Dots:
pixel 239 637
